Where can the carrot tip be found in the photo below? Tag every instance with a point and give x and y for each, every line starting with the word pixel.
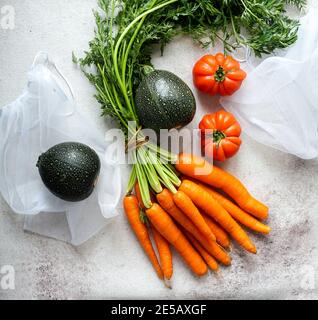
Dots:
pixel 253 250
pixel 218 274
pixel 217 271
pixel 167 283
pixel 214 269
pixel 227 263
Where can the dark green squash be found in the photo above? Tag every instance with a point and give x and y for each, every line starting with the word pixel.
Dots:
pixel 70 170
pixel 164 101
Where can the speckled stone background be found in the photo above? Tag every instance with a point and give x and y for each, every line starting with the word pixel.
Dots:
pixel 112 265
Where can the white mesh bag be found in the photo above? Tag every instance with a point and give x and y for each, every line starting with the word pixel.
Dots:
pixel 45 115
pixel 277 104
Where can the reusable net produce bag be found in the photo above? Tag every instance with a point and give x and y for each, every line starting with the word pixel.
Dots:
pixel 43 116
pixel 277 104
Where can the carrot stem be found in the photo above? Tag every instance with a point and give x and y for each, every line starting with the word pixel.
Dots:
pixel 132 180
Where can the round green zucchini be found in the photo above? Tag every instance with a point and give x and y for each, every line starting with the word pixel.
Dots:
pixel 164 101
pixel 70 170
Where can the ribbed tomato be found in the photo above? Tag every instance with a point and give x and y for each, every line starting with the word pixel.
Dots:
pixel 218 74
pixel 220 134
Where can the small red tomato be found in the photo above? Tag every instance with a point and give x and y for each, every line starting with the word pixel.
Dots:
pixel 218 74
pixel 220 134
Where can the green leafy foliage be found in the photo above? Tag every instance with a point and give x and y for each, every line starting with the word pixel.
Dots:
pixel 118 62
pixel 265 23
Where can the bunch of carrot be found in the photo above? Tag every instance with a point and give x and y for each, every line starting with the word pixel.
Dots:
pixel 196 220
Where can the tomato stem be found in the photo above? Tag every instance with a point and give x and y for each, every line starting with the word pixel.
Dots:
pixel 220 74
pixel 218 136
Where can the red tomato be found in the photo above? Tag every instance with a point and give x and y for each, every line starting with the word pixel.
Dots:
pixel 220 134
pixel 218 74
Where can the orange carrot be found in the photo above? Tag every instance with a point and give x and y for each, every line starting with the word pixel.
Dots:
pixel 132 211
pixel 202 170
pixel 165 254
pixel 221 236
pixel 164 224
pixel 210 206
pixel 186 205
pixel 162 244
pixel 210 261
pixel 165 199
pixel 237 213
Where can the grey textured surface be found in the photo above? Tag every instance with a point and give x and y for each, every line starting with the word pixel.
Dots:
pixel 112 265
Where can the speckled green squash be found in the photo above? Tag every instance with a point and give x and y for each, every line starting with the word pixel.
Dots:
pixel 164 101
pixel 70 170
